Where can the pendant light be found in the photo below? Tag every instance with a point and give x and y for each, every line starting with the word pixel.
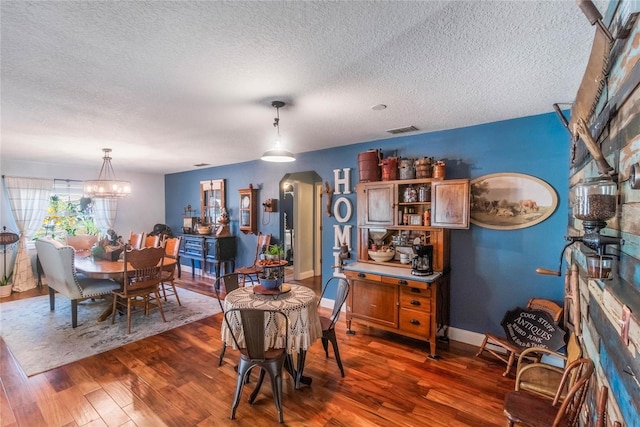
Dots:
pixel 107 186
pixel 278 153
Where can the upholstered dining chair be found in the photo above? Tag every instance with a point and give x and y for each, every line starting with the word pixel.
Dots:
pixel 141 281
pixel 508 351
pixel 171 250
pixel 252 271
pixel 254 352
pixel 329 323
pixel 151 241
pixel 530 409
pixel 231 283
pixel 57 261
pixel 136 240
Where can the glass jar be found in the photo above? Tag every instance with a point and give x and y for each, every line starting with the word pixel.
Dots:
pixel 594 199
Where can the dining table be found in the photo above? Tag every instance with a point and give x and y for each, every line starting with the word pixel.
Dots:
pixel 94 268
pixel 298 303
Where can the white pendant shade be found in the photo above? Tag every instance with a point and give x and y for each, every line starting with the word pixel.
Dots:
pixel 278 154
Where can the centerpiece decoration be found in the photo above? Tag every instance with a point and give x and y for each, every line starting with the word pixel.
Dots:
pixel 110 248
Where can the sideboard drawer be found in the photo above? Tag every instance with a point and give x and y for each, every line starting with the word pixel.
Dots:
pixel 415 322
pixel 415 302
pixel 402 282
pixel 353 275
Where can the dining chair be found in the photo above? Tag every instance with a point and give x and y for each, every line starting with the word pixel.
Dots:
pixel 531 409
pixel 57 261
pixel 231 283
pixel 255 352
pixel 507 350
pixel 151 241
pixel 541 377
pixel 136 240
pixel 329 323
pixel 251 272
pixel 171 250
pixel 142 275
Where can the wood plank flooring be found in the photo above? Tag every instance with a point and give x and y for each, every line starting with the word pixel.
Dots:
pixel 173 379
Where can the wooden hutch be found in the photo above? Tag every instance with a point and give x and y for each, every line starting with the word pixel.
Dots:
pixel 386 295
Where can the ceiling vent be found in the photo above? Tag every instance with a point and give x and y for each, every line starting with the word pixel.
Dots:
pixel 199 165
pixel 403 130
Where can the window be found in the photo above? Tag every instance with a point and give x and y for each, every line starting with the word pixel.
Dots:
pixel 68 213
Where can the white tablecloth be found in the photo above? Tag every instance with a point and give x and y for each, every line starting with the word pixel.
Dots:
pixel 299 305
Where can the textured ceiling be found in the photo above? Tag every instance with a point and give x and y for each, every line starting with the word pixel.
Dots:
pixel 168 85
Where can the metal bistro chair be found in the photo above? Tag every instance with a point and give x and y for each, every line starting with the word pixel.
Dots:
pixel 251 324
pixel 329 323
pixel 531 409
pixel 231 283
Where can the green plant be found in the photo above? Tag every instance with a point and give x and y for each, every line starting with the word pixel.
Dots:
pixel 6 279
pixel 275 250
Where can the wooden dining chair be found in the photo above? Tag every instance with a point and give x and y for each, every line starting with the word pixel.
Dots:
pixel 167 284
pixel 251 272
pixel 230 282
pixel 541 377
pixel 142 275
pixel 151 241
pixel 247 328
pixel 136 240
pixel 531 409
pixel 329 323
pixel 506 350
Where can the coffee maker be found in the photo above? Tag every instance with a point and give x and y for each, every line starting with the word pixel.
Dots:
pixel 422 263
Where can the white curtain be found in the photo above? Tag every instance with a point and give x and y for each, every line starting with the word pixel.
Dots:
pixel 29 199
pixel 104 213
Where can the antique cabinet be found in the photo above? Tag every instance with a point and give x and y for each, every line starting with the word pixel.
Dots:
pixel 248 210
pixel 386 295
pixel 389 298
pixel 217 251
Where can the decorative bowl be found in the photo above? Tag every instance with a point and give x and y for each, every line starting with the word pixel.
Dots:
pixel 270 283
pixel 204 229
pixel 382 256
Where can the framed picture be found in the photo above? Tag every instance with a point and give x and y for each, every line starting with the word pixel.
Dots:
pixel 508 201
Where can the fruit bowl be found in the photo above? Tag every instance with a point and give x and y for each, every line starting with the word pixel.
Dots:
pixel 382 256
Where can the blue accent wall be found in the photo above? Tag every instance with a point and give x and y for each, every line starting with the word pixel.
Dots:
pixel 491 270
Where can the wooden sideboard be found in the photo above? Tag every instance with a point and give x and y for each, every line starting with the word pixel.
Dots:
pixel 216 251
pixel 390 298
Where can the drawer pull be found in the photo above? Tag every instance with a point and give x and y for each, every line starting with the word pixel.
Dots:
pixel 362 275
pixel 414 322
pixel 415 302
pixel 415 290
pixel 402 282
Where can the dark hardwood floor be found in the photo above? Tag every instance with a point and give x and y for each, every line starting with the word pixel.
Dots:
pixel 173 379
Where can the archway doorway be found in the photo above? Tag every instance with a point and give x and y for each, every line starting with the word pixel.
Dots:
pixel 300 223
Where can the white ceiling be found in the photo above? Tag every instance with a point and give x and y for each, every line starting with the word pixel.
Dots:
pixel 168 85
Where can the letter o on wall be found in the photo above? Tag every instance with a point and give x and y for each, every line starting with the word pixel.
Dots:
pixel 347 207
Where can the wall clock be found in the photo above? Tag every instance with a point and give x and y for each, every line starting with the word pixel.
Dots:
pixel 248 210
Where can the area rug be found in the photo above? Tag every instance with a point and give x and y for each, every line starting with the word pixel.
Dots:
pixel 41 339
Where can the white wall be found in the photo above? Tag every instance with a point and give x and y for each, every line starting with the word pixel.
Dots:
pixel 139 212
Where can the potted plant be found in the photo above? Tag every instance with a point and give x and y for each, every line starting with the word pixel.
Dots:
pixel 275 253
pixel 5 285
pixel 270 279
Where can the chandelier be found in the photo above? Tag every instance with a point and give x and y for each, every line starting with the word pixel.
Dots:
pixel 278 153
pixel 107 186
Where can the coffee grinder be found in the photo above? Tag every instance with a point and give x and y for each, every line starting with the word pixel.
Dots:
pixel 422 263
